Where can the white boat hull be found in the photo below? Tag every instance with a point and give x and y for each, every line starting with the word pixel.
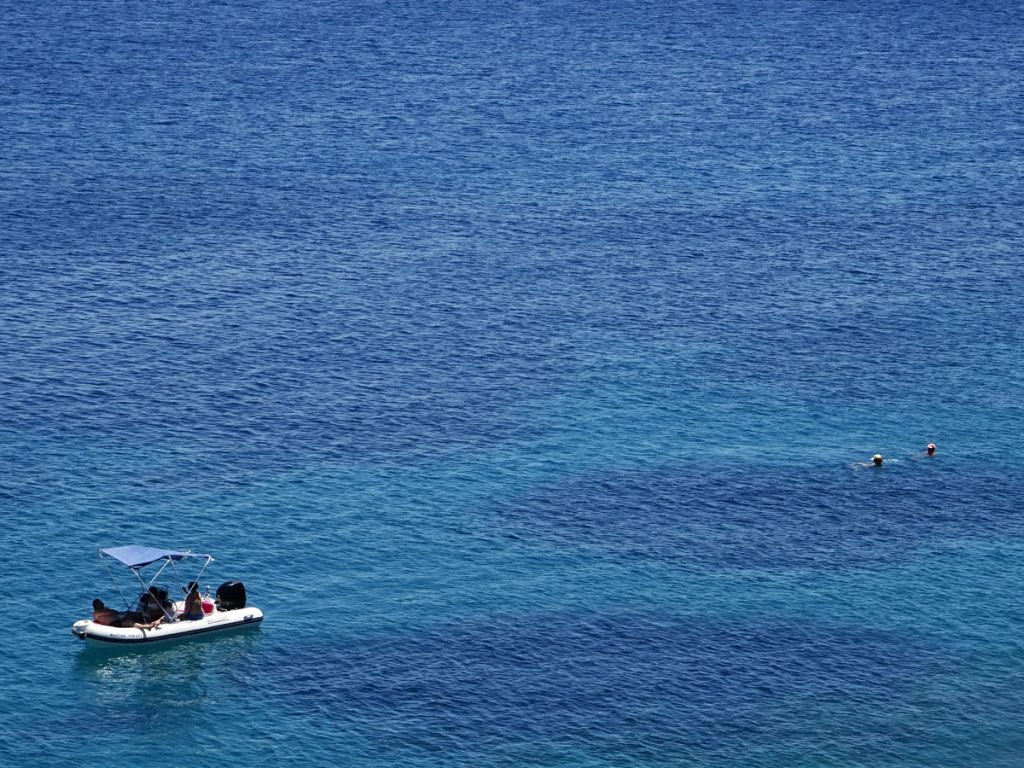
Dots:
pixel 218 621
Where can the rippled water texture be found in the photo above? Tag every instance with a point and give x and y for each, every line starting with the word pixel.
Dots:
pixel 520 359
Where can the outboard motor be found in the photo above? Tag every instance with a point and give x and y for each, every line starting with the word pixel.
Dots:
pixel 230 596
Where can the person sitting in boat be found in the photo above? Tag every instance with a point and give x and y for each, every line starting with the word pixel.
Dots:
pixel 155 604
pixel 193 603
pixel 101 614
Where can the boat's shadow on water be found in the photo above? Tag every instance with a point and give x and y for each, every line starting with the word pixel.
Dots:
pixel 177 673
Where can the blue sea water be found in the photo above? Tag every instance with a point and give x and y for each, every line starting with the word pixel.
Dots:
pixel 518 357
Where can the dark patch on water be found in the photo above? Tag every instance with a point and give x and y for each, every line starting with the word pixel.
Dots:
pixel 628 686
pixel 769 517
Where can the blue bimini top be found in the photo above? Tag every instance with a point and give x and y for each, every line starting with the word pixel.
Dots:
pixel 136 556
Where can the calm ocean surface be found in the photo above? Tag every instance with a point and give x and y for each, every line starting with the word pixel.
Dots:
pixel 515 356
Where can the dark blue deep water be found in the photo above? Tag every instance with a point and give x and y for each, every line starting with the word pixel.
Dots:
pixel 516 356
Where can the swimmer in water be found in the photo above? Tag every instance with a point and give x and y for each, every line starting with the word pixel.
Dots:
pixel 876 461
pixel 929 450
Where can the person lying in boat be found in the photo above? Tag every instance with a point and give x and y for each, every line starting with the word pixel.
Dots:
pixel 101 614
pixel 193 603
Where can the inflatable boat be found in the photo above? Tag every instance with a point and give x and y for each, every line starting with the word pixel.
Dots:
pixel 155 616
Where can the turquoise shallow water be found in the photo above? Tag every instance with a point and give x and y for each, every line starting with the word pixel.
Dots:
pixel 518 358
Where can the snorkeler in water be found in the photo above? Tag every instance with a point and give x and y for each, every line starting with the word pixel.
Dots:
pixel 876 461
